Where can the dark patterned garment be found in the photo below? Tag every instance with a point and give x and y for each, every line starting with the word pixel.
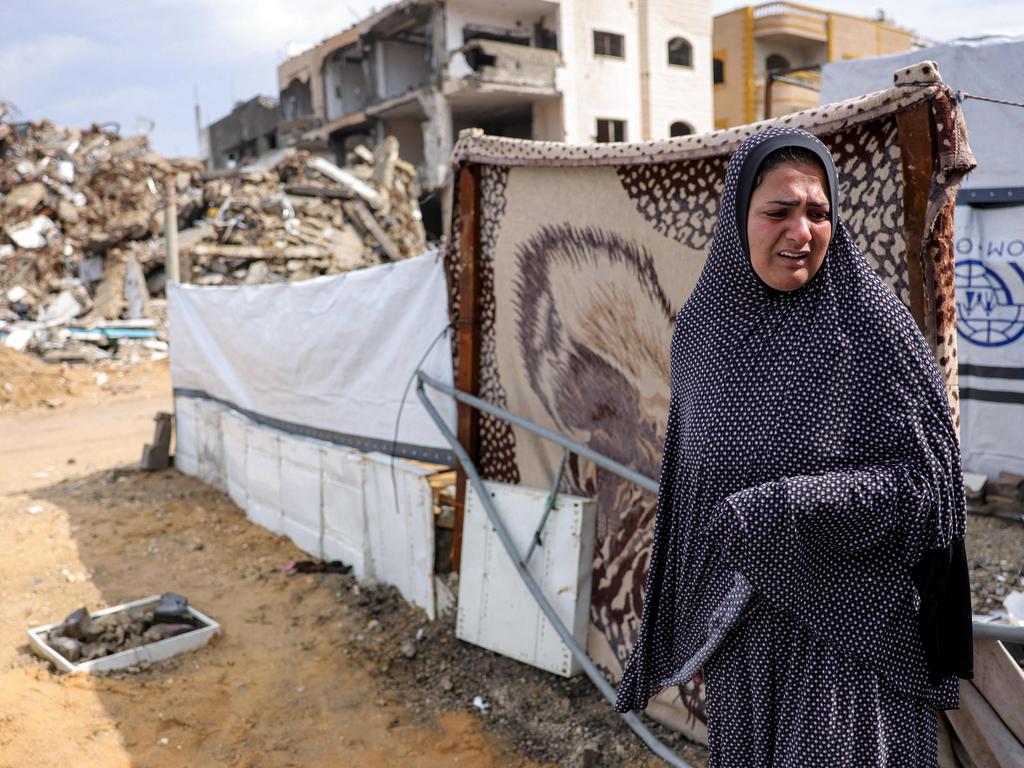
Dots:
pixel 810 468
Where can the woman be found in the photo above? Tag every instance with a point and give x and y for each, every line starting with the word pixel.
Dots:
pixel 808 546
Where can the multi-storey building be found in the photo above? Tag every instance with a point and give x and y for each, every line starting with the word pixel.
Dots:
pixel 570 70
pixel 247 132
pixel 772 53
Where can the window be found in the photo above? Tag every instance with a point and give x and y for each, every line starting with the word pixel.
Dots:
pixel 610 130
pixel 680 52
pixel 609 44
pixel 679 128
pixel 718 70
pixel 776 61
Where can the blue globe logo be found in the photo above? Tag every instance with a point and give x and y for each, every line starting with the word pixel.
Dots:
pixel 987 314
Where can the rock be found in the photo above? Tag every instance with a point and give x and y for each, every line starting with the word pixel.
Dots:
pixel 408 650
pixel 159 632
pixel 171 608
pixel 586 756
pixel 79 626
pixel 93 651
pixel 66 647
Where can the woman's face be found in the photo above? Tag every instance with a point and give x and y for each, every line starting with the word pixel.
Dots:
pixel 788 226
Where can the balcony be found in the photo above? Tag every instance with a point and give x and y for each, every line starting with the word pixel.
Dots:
pixel 507 64
pixel 798 91
pixel 787 21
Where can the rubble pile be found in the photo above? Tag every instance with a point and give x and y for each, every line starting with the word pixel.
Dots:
pixel 82 231
pixel 299 216
pixel 80 215
pixel 82 638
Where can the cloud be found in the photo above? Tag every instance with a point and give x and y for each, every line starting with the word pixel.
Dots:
pixel 241 29
pixel 25 65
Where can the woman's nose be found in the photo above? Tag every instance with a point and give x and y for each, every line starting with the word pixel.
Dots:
pixel 800 229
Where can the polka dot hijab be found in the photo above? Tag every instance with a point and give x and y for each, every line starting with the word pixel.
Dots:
pixel 811 463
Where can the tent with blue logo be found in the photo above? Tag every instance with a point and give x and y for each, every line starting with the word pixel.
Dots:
pixel 989 235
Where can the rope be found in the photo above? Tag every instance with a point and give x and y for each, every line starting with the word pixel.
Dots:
pixel 962 95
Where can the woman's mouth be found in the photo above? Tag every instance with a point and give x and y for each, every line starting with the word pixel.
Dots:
pixel 794 256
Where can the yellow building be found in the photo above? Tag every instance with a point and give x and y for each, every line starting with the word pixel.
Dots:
pixel 749 41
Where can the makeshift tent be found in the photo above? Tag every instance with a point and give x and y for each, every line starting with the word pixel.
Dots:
pixel 989 238
pixel 567 264
pixel 292 396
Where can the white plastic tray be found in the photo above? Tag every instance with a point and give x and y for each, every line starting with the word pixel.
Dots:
pixel 150 652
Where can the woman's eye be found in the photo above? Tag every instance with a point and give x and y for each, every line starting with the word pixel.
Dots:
pixel 775 214
pixel 819 215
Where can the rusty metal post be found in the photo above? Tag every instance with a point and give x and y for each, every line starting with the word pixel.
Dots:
pixel 467 375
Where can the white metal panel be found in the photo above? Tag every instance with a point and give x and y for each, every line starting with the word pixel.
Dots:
pixel 186 448
pixel 263 477
pixel 300 492
pixel 211 443
pixel 235 429
pixel 400 519
pixel 495 609
pixel 345 535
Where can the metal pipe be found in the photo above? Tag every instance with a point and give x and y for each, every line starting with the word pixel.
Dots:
pixel 982 629
pixel 999 630
pixel 549 504
pixel 660 749
pixel 580 450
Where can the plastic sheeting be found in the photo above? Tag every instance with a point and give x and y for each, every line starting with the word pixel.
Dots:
pixel 989 245
pixel 335 503
pixel 983 67
pixel 329 357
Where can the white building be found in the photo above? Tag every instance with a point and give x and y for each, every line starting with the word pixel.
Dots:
pixel 576 70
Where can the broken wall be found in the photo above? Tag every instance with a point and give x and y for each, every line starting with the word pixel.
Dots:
pixel 400 67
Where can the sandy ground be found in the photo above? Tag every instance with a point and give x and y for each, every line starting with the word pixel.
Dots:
pixel 310 668
pixel 275 690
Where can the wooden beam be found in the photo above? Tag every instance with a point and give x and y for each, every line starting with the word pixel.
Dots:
pixel 917 150
pixel 467 374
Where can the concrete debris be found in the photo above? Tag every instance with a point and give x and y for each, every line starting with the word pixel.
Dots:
pixel 82 231
pixel 76 208
pixel 303 216
pixel 81 638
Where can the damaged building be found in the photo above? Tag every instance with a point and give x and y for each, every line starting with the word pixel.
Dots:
pixel 422 70
pixel 249 131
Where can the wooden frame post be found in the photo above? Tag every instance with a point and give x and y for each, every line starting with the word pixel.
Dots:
pixel 917 150
pixel 467 376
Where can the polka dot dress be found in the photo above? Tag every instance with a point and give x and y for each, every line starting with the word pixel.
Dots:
pixel 810 462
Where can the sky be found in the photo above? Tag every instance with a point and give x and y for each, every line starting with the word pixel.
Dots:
pixel 141 62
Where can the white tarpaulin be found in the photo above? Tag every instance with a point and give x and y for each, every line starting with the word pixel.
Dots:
pixel 989 246
pixel 988 66
pixel 328 358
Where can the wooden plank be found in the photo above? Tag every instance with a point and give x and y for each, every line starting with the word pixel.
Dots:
pixel 1001 681
pixel 984 736
pixel 918 155
pixel 467 376
pixel 360 216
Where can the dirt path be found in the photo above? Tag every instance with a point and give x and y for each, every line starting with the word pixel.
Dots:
pixel 281 687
